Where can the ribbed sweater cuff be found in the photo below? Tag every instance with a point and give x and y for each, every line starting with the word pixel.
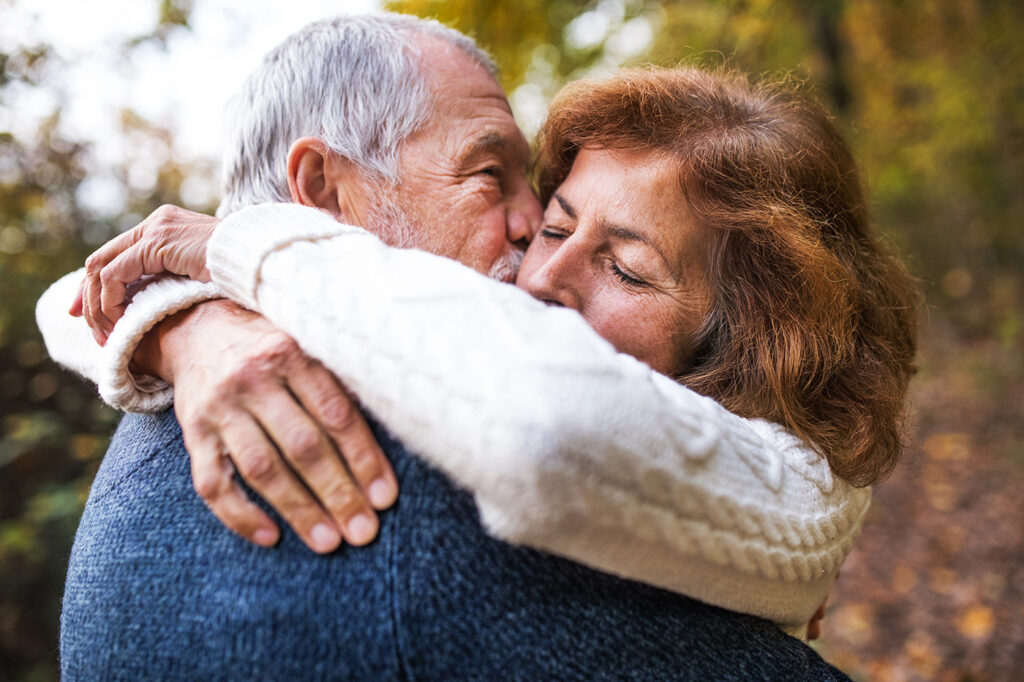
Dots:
pixel 245 238
pixel 160 299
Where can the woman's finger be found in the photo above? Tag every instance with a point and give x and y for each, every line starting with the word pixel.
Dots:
pixel 128 267
pixel 109 251
pixel 340 416
pixel 92 312
pixel 93 285
pixel 170 238
pixel 311 455
pixel 261 466
pixel 214 481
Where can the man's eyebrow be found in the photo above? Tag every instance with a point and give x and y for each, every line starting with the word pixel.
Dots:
pixel 487 143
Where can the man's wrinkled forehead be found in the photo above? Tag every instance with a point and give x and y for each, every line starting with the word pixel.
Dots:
pixel 469 116
pixel 435 53
pixel 451 74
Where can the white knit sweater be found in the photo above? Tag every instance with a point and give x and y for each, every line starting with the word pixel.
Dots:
pixel 567 445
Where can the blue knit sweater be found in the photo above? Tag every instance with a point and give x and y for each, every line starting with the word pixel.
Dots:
pixel 158 589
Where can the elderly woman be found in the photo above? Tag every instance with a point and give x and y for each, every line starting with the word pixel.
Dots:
pixel 715 231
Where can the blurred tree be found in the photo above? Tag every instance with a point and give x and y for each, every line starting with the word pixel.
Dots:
pixel 931 94
pixel 53 429
pixel 939 113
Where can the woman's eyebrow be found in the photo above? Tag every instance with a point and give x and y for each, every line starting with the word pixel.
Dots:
pixel 624 233
pixel 566 206
pixel 620 232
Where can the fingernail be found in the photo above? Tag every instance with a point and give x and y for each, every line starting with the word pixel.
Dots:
pixel 381 493
pixel 361 529
pixel 265 537
pixel 324 537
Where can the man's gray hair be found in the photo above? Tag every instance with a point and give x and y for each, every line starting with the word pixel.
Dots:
pixel 355 82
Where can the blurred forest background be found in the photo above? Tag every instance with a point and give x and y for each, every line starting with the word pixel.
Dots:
pixel 931 93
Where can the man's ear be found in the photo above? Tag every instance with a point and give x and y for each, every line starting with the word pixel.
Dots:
pixel 320 178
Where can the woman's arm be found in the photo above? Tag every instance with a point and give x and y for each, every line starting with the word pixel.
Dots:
pixel 567 445
pixel 289 419
pixel 70 342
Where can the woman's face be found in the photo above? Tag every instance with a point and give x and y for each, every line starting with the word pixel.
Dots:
pixel 619 245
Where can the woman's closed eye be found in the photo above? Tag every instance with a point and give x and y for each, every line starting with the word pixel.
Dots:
pixel 549 232
pixel 625 277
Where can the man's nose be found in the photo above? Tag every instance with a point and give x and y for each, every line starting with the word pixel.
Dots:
pixel 524 218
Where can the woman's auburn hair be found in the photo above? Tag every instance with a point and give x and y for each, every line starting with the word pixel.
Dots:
pixel 813 322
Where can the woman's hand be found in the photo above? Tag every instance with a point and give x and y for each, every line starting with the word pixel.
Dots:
pixel 250 401
pixel 171 240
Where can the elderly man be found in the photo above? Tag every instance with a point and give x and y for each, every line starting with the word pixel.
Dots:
pixel 158 589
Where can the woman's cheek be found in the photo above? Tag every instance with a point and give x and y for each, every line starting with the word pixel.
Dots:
pixel 622 321
pixel 653 330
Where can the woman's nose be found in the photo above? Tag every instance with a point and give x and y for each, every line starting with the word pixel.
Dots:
pixel 559 280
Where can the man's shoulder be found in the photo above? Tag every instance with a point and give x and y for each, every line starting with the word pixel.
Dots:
pixel 146 427
pixel 138 440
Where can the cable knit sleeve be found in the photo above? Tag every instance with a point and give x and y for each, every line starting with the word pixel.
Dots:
pixel 567 445
pixel 70 343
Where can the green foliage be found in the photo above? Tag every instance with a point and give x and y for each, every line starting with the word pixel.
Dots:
pixel 931 95
pixel 53 429
pixel 510 31
pixel 44 410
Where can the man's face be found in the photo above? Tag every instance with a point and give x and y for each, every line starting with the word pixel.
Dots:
pixel 464 186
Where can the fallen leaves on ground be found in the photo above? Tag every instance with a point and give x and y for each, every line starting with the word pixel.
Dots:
pixel 934 589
